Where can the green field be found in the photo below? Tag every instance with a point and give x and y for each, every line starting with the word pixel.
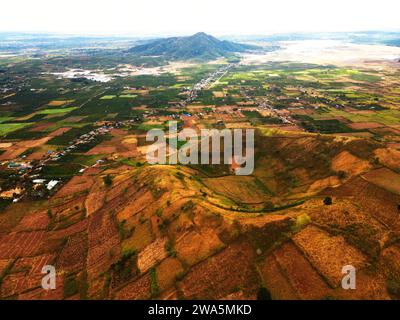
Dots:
pixel 5 119
pixel 57 111
pixel 6 128
pixel 110 97
pixel 85 160
pixel 387 117
pixel 128 96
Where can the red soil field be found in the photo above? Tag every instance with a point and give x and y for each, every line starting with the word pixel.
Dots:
pixel 33 221
pixel 21 244
pixel 221 274
pixel 302 276
pixel 75 185
pixel 25 274
pixel 103 246
pixel 374 200
pixel 365 125
pixel 136 290
pixel 73 256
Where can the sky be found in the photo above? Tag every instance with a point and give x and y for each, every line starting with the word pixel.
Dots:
pixel 183 17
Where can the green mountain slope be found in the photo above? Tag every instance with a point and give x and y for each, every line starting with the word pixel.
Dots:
pixel 200 45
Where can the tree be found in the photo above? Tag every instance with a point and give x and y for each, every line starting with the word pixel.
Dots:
pixel 268 205
pixel 107 180
pixel 342 174
pixel 393 286
pixel 263 294
pixel 328 201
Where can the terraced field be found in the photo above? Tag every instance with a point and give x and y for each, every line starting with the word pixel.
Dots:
pixel 77 192
pixel 165 231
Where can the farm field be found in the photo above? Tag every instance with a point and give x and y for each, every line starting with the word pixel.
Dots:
pixel 77 190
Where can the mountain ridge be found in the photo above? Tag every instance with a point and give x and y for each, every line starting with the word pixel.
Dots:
pixel 199 45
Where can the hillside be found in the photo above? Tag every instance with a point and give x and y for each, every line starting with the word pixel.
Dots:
pixel 181 232
pixel 200 46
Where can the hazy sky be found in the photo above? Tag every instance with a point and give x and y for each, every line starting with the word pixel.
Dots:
pixel 219 17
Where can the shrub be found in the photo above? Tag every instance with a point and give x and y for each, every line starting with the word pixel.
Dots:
pixel 127 254
pixel 342 174
pixel 142 220
pixel 159 212
pixel 107 280
pixel 328 201
pixel 124 232
pixel 162 226
pixel 188 206
pixel 179 175
pixel 300 222
pixel 6 270
pixel 263 294
pixel 107 180
pixel 71 286
pixel 268 205
pixel 154 285
pixel 84 286
pixel 393 286
pixel 124 268
pixel 170 249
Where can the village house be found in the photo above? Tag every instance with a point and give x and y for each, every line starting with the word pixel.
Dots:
pixel 12 193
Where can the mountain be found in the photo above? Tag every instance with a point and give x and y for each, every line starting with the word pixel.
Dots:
pixel 200 45
pixel 201 232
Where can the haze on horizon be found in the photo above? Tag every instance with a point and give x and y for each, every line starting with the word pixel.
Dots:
pixel 217 17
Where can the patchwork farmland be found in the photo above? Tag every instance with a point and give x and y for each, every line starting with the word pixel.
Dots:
pixel 77 192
